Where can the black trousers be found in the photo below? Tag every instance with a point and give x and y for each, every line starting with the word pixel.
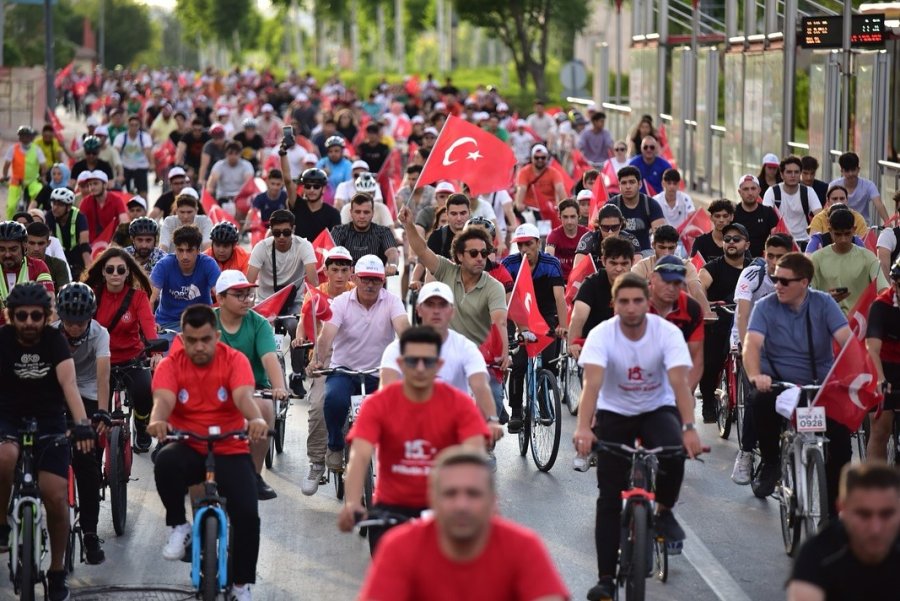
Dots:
pixel 520 366
pixel 137 381
pixel 376 533
pixel 661 427
pixel 716 343
pixel 87 478
pixel 178 466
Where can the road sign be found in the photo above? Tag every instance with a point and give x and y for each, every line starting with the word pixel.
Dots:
pixel 573 75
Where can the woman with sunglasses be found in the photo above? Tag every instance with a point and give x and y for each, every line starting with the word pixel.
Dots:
pixel 123 308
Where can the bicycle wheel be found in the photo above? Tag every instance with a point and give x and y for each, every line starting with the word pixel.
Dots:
pixel 118 480
pixel 638 538
pixel 270 452
pixel 546 425
pixel 280 429
pixel 816 516
pixel 525 431
pixel 723 406
pixel 893 445
pixel 27 569
pixel 740 406
pixel 572 385
pixel 209 560
pixel 790 521
pixel 862 438
pixel 368 491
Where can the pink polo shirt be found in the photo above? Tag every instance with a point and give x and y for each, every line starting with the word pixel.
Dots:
pixel 363 334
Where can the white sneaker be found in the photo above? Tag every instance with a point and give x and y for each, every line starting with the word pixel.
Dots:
pixel 310 484
pixel 240 593
pixel 743 468
pixel 179 538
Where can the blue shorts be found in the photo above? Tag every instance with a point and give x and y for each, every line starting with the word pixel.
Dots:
pixel 49 456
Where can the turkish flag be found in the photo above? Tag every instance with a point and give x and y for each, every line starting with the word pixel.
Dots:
pixel 651 191
pixel 697 224
pixel 249 191
pixel 55 122
pixel 273 162
pixel 577 276
pixel 859 314
pixel 698 261
pixel 599 197
pixel 316 309
pixel 256 227
pixel 323 242
pixel 523 310
pixel 102 240
pixel 568 182
pixel 390 178
pixel 871 240
pixel 207 200
pixel 272 306
pixel 850 390
pixel 492 351
pixel 579 165
pixel 466 152
pixel 781 228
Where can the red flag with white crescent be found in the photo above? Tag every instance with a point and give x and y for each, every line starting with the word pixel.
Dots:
pixel 323 243
pixel 577 276
pixel 858 316
pixel 696 225
pixel 850 389
pixel 523 310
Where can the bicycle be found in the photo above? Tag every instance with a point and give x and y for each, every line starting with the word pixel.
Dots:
pixel 541 414
pixel 732 384
pixel 643 552
pixel 570 376
pixel 28 535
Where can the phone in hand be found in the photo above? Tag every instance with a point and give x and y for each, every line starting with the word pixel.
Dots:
pixel 287 133
pixel 841 290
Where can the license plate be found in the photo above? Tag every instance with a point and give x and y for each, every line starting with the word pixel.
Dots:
pixel 356 402
pixel 810 419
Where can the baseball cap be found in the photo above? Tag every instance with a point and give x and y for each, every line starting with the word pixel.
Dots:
pixel 92 121
pixel 445 187
pixel 771 159
pixel 430 131
pixel 338 253
pixel 176 172
pixel 737 226
pixel 217 128
pixel 435 289
pixel 747 178
pixel 521 123
pixel 223 112
pixel 526 231
pixel 359 164
pixel 232 279
pixel 539 148
pixel 584 195
pixel 189 191
pixel 310 159
pixel 102 130
pixel 267 108
pixel 97 174
pixel 440 106
pixel 138 200
pixel 83 177
pixel 502 107
pixel 301 97
pixel 417 119
pixel 369 266
pixel 670 268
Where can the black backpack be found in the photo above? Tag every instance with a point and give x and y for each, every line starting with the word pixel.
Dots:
pixel 804 199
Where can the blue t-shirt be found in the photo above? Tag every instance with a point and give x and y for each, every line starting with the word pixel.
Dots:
pixel 337 172
pixel 267 206
pixel 178 291
pixel 786 338
pixel 638 219
pixel 651 173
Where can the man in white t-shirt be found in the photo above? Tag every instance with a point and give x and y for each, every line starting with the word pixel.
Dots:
pixel 788 198
pixel 464 367
pixel 676 205
pixel 135 148
pixel 292 255
pixel 346 190
pixel 521 142
pixel 636 386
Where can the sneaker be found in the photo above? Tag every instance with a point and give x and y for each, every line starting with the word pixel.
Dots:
pixel 310 484
pixel 240 593
pixel 57 589
pixel 581 464
pixel 766 480
pixel 5 531
pixel 179 538
pixel 93 552
pixel 297 388
pixel 668 527
pixel 743 468
pixel 142 440
pixel 604 590
pixel 515 424
pixel 334 460
pixel 263 491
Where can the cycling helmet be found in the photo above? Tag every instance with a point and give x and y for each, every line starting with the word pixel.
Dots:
pixel 248 123
pixel 143 226
pixel 334 141
pixel 12 231
pixel 25 131
pixel 28 294
pixel 92 144
pixel 483 222
pixel 76 302
pixel 224 232
pixel 314 176
pixel 63 195
pixel 366 184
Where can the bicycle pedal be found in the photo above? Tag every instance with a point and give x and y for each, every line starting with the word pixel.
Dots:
pixel 675 547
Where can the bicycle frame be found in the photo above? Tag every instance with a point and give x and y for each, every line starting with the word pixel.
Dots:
pixel 26 492
pixel 210 502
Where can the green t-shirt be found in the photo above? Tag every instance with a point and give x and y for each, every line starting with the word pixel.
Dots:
pixel 254 339
pixel 853 270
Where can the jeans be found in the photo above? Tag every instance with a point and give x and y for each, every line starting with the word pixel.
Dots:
pixel 497 393
pixel 519 369
pixel 338 390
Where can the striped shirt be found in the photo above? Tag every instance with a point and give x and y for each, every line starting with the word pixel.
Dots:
pixel 374 241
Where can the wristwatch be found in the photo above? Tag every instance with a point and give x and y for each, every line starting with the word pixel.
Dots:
pixel 688 427
pixel 493 418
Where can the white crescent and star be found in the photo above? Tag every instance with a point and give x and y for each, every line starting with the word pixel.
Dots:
pixel 858 382
pixel 474 156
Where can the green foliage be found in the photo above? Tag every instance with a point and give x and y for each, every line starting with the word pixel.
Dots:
pixel 220 21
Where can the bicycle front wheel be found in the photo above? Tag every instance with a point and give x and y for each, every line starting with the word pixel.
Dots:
pixel 27 569
pixel 546 425
pixel 740 404
pixel 816 515
pixel 723 405
pixel 209 581
pixel 790 520
pixel 280 428
pixel 572 385
pixel 118 479
pixel 638 539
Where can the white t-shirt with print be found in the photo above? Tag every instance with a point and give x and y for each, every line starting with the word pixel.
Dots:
pixel 792 210
pixel 462 360
pixel 749 288
pixel 132 150
pixel 678 214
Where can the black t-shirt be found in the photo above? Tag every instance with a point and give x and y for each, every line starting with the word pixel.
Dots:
pixel 638 219
pixel 826 561
pixel 884 324
pixel 596 292
pixel 373 154
pixel 440 240
pixel 30 387
pixel 82 165
pixel 251 147
pixel 194 147
pixel 309 224
pixel 590 244
pixel 724 279
pixel 759 224
pixel 707 247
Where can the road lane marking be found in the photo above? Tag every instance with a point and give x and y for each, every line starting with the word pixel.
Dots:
pixel 714 573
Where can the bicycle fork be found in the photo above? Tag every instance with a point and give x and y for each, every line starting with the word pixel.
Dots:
pixel 16 535
pixel 197 543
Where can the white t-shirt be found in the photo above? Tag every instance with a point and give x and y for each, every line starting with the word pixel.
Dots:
pixel 172 223
pixel 750 289
pixel 887 239
pixel 382 213
pixel 291 264
pixel 678 214
pixel 792 210
pixel 521 145
pixel 484 209
pixel 131 150
pixel 462 360
pixel 345 191
pixel 636 378
pixel 499 200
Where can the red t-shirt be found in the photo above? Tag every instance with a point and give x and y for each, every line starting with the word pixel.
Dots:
pixel 539 188
pixel 204 394
pixel 501 274
pixel 688 316
pixel 100 217
pixel 513 566
pixel 408 436
pixel 564 247
pixel 125 341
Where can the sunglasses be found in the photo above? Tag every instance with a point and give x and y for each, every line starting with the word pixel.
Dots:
pixel 312 186
pixel 473 252
pixel 620 149
pixel 611 228
pixel 667 268
pixel 413 362
pixel 282 233
pixel 119 269
pixel 24 315
pixel 648 147
pixel 784 281
pixel 539 158
pixel 731 239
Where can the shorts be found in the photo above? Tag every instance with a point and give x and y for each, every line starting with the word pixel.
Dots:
pixel 49 456
pixel 138 177
pixel 892 400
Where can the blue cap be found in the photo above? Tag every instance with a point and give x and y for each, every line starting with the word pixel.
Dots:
pixel 671 269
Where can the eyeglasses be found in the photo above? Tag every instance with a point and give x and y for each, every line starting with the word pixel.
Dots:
pixel 413 362
pixel 611 228
pixel 24 315
pixel 622 149
pixel 784 281
pixel 312 186
pixel 371 282
pixel 119 269
pixel 731 239
pixel 538 158
pixel 244 296
pixel 648 147
pixel 473 252
pixel 282 233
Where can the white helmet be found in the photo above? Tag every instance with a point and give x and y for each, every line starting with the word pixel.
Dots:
pixel 249 122
pixel 366 184
pixel 63 195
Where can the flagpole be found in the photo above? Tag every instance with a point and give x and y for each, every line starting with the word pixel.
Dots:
pixel 428 160
pixel 830 371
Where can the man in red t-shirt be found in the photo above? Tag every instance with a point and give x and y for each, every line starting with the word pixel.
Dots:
pixel 204 384
pixel 102 207
pixel 538 186
pixel 562 241
pixel 409 422
pixel 466 551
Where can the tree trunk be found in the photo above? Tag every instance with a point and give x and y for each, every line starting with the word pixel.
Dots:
pixel 538 74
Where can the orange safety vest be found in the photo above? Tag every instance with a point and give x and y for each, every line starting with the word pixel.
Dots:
pixel 25 167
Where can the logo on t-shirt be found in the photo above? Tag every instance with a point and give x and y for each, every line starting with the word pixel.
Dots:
pixel 418 457
pixel 186 293
pixel 222 394
pixel 183 396
pixel 31 367
pixel 636 374
pixel 126 317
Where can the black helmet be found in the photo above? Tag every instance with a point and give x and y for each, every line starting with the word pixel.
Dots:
pixel 12 231
pixel 28 294
pixel 224 232
pixel 314 176
pixel 143 226
pixel 76 302
pixel 92 144
pixel 483 222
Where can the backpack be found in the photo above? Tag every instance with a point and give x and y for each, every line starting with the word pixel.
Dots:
pixel 804 199
pixel 617 200
pixel 140 136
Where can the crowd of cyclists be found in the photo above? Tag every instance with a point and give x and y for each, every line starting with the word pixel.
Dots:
pixel 94 270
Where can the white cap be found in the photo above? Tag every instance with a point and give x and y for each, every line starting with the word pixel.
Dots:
pixel 267 108
pixel 771 159
pixel 471 102
pixel 502 107
pixel 310 158
pixel 521 123
pixel 101 175
pixel 176 172
pixel 338 253
pixel 440 106
pixel 481 116
pixel 301 97
pixel 139 200
pixel 189 191
pixel 417 119
pixel 92 121
pixel 445 187
pixel 585 195
pixel 369 266
pixel 430 130
pixel 101 130
pixel 435 289
pixel 539 148
pixel 747 178
pixel 526 231
pixel 232 279
pixel 223 112
pixel 83 176
pixel 359 164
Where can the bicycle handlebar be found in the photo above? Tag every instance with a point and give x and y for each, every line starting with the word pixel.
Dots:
pixel 182 435
pixel 380 519
pixel 347 372
pixel 623 450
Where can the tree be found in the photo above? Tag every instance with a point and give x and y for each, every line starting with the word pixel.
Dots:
pixel 223 21
pixel 525 26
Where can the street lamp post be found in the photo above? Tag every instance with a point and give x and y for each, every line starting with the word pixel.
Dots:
pixel 48 56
